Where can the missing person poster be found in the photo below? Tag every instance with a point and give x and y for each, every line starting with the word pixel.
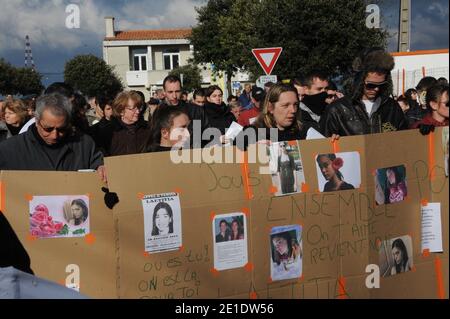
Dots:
pixel 339 171
pixel 59 216
pixel 230 241
pixel 390 185
pixel 162 222
pixel 286 252
pixel 396 256
pixel 286 168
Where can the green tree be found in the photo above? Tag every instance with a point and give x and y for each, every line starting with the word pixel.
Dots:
pixel 207 36
pixel 28 81
pixel 314 34
pixel 21 81
pixel 92 76
pixel 7 74
pixel 192 78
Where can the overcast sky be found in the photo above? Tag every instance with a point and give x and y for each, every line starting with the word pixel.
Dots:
pixel 53 44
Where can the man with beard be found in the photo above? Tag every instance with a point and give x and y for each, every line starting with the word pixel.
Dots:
pixel 313 102
pixel 369 108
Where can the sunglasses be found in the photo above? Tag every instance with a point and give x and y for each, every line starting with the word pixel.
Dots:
pixel 373 86
pixel 51 129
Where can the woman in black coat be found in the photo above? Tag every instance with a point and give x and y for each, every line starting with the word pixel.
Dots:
pixel 218 113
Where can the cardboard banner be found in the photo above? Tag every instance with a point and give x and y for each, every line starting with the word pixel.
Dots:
pixel 275 227
pixel 85 263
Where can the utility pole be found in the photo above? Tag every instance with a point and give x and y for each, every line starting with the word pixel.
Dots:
pixel 28 54
pixel 404 37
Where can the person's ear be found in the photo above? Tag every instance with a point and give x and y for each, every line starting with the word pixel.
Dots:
pixel 434 105
pixel 270 108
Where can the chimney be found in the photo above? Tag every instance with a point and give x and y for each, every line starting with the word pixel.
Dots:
pixel 109 22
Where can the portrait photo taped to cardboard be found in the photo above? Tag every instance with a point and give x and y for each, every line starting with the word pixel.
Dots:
pixel 390 185
pixel 230 241
pixel 286 167
pixel 286 253
pixel 396 256
pixel 162 222
pixel 339 171
pixel 59 216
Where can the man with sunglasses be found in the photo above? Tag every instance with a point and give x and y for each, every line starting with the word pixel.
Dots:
pixel 370 108
pixel 51 144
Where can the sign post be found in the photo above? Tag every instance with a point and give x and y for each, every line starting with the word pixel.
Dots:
pixel 267 58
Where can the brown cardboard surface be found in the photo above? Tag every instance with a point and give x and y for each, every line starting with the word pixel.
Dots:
pixel 49 257
pixel 319 236
pixel 341 230
pixel 440 193
pixel 185 273
pixel 155 173
pixel 420 283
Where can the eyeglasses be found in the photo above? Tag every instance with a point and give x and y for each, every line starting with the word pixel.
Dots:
pixel 332 96
pixel 373 86
pixel 59 130
pixel 135 108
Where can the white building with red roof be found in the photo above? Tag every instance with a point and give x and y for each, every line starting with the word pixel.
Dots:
pixel 143 58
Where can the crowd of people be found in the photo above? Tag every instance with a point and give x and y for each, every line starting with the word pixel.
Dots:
pixel 61 130
pixel 65 131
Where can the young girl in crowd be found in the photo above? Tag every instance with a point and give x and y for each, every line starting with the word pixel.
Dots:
pixel 437 104
pixel 169 129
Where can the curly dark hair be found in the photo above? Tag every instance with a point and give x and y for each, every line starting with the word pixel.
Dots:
pixel 372 60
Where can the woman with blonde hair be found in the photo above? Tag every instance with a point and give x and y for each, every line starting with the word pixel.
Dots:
pixel 15 114
pixel 279 119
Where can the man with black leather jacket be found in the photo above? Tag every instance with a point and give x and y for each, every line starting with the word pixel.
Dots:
pixel 370 108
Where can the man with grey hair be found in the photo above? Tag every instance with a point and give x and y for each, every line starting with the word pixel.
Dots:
pixel 51 144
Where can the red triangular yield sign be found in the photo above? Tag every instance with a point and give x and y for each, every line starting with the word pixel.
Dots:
pixel 267 57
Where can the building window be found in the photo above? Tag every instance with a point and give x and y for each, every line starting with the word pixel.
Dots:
pixel 139 59
pixel 140 62
pixel 171 59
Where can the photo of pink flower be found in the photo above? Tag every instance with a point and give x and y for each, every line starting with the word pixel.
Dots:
pixel 42 224
pixel 59 216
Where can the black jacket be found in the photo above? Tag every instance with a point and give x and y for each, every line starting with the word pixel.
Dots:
pixel 116 138
pixel 28 151
pixel 348 117
pixel 7 131
pixel 195 113
pixel 251 134
pixel 12 252
pixel 219 116
pixel 4 132
pixel 96 132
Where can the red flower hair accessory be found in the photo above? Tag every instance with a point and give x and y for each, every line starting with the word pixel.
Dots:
pixel 337 163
